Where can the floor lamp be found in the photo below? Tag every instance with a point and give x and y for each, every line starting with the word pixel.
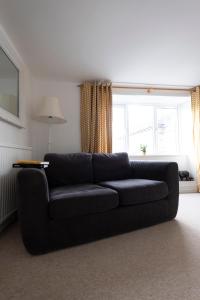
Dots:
pixel 50 112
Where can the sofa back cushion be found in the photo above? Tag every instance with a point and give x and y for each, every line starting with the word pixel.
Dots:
pixel 67 169
pixel 113 166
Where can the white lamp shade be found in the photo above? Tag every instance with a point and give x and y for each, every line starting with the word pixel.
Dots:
pixel 50 111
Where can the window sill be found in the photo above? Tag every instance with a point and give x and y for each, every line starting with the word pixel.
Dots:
pixel 156 155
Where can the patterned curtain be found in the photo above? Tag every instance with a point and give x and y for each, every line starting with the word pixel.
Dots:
pixel 196 129
pixel 96 117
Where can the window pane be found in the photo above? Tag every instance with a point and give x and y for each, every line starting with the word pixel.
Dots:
pixel 119 131
pixel 166 130
pixel 141 127
pixel 157 121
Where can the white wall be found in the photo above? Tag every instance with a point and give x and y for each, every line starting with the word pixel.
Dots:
pixel 65 137
pixel 186 138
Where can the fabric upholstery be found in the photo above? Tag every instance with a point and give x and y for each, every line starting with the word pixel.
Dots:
pixel 86 228
pixel 76 219
pixel 67 169
pixel 82 199
pixel 164 171
pixel 96 117
pixel 33 199
pixel 110 166
pixel 135 191
pixel 156 170
pixel 196 129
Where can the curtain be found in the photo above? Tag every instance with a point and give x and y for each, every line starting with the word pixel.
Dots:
pixel 196 129
pixel 96 117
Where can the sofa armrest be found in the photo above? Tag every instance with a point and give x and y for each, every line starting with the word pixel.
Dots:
pixel 33 198
pixel 165 171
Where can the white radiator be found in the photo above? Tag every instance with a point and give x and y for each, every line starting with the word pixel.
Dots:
pixel 8 155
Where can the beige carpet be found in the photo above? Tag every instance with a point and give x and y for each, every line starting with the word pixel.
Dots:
pixel 160 262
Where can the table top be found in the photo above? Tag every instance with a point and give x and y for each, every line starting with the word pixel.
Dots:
pixel 36 166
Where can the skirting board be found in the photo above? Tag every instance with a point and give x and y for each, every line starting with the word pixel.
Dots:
pixel 9 220
pixel 187 187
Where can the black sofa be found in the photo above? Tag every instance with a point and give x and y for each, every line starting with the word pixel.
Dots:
pixel 82 197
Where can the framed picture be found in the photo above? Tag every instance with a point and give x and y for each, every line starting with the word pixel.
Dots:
pixel 11 85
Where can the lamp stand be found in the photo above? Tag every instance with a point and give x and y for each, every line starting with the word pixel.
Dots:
pixel 50 138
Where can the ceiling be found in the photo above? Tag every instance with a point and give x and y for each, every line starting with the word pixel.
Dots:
pixel 133 41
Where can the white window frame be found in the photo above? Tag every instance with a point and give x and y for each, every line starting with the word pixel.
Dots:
pixel 155 142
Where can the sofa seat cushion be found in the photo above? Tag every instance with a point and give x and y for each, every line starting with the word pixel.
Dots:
pixel 81 199
pixel 135 191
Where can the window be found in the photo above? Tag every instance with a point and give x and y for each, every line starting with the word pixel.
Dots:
pixel 154 121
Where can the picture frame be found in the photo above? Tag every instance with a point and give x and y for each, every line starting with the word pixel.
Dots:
pixel 11 53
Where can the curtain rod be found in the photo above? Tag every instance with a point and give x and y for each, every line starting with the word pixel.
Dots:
pixel 151 88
